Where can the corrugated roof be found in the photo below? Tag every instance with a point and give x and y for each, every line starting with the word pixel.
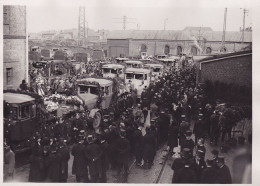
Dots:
pixel 179 35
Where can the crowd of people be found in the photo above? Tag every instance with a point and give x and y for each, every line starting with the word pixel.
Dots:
pixel 174 103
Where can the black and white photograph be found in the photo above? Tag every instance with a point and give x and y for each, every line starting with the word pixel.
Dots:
pixel 122 91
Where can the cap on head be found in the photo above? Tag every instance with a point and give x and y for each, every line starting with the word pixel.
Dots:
pixel 210 162
pixel 188 133
pixel 221 159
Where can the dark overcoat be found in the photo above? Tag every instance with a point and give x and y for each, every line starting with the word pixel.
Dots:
pixel 36 173
pixel 79 166
pixel 65 156
pixel 148 147
pixel 52 164
pixel 223 175
pixel 173 136
pixel 208 175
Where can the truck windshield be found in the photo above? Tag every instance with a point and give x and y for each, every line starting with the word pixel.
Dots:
pixel 113 71
pixel 139 76
pixel 129 76
pixel 106 70
pixel 156 69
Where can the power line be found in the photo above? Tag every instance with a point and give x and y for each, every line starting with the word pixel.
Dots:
pixel 124 21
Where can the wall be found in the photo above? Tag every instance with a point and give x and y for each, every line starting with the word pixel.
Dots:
pixel 156 47
pixel 15 45
pixel 237 70
pixel 117 47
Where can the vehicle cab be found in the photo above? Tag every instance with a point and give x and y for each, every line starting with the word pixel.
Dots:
pixel 134 64
pixel 92 89
pixel 156 69
pixel 138 78
pixel 113 71
pixel 20 109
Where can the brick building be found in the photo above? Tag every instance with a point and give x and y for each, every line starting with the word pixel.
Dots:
pixel 191 40
pixel 14 46
pixel 233 68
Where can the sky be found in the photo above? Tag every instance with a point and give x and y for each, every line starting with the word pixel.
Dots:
pixel 45 15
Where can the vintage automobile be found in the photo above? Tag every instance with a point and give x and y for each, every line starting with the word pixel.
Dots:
pixel 148 58
pixel 134 64
pixel 92 91
pixel 19 120
pixel 138 78
pixel 156 69
pixel 113 71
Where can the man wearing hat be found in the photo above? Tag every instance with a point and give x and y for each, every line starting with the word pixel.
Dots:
pixel 104 146
pixel 186 174
pixel 179 163
pixel 52 163
pixel 79 166
pixel 188 142
pixel 65 156
pixel 184 126
pixel 123 151
pixel 199 164
pixel 138 142
pixel 199 128
pixel 208 175
pixel 9 163
pixel 215 153
pixel 223 175
pixel 214 128
pixel 93 153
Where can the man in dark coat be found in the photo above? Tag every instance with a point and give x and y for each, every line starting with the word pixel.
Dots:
pixel 52 164
pixel 148 148
pixel 214 128
pixel 179 163
pixel 65 156
pixel 215 153
pixel 173 137
pixel 93 153
pixel 123 149
pixel 184 126
pixel 36 173
pixel 199 165
pixel 199 128
pixel 223 175
pixel 185 174
pixel 79 167
pixel 138 145
pixel 164 122
pixel 188 142
pixel 208 175
pixel 104 146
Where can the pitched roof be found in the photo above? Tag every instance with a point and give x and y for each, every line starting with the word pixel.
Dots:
pixel 179 35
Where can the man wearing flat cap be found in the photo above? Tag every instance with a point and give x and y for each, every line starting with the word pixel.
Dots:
pixel 208 175
pixel 199 164
pixel 93 153
pixel 179 163
pixel 188 142
pixel 223 175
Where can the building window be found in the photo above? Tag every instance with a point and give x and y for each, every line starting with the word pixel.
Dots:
pixel 194 51
pixel 143 48
pixel 208 50
pixel 166 50
pixel 9 76
pixel 179 50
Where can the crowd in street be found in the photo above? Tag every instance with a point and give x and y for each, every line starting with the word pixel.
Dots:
pixel 174 103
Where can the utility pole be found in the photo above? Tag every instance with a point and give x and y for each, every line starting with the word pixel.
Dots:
pixel 224 28
pixel 81 27
pixel 124 21
pixel 243 31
